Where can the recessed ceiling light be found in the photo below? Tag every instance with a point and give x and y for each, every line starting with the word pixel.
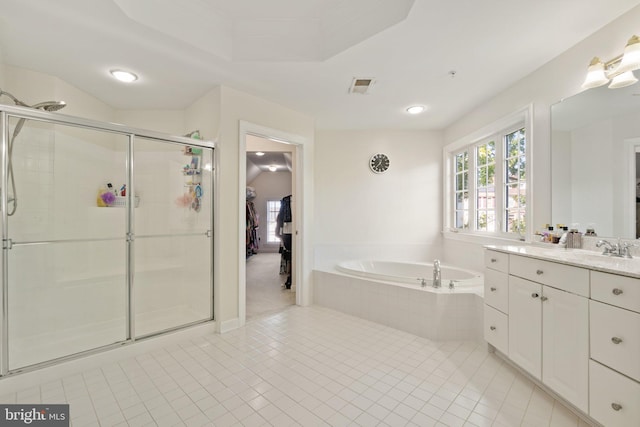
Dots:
pixel 259 153
pixel 415 109
pixel 273 168
pixel 124 76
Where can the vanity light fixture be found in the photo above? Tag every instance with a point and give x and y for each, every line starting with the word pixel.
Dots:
pixel 124 76
pixel 619 70
pixel 415 109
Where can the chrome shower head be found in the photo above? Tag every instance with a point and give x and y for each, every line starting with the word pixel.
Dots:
pixel 13 98
pixel 45 106
pixel 50 105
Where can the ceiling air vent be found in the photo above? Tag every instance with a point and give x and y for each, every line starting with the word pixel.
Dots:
pixel 361 85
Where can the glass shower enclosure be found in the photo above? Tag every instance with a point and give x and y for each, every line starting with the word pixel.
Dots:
pixel 107 235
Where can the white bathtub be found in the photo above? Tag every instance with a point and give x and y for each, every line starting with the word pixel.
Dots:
pixel 412 273
pixel 390 293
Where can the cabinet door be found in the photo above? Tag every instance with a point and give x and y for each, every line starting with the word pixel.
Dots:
pixel 525 325
pixel 565 345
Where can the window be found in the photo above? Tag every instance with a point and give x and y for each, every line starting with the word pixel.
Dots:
pixel 461 162
pixel 487 183
pixel 515 182
pixel 273 207
pixel 485 186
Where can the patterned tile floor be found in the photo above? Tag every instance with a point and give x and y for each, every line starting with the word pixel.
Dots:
pixel 306 366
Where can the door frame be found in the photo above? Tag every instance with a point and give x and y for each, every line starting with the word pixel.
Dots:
pixel 632 147
pixel 301 264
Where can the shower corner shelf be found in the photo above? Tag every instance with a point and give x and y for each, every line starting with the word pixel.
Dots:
pixel 121 202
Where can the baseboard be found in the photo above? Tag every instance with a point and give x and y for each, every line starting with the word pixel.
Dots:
pixel 228 325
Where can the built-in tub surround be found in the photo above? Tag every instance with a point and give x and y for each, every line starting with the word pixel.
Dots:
pixel 419 274
pixel 571 320
pixel 388 293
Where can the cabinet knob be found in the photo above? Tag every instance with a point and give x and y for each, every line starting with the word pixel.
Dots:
pixel 539 272
pixel 617 291
pixel 616 406
pixel 494 260
pixel 493 328
pixel 616 340
pixel 493 289
pixel 535 295
pixel 543 298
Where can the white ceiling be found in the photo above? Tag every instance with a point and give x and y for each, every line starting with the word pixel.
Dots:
pixel 302 54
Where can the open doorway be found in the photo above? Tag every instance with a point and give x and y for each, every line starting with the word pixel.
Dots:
pixel 270 216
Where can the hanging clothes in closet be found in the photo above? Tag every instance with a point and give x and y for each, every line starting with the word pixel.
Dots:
pixel 284 230
pixel 252 241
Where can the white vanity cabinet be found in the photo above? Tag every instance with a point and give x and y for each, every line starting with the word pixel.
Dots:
pixel 496 292
pixel 573 325
pixel 614 369
pixel 549 327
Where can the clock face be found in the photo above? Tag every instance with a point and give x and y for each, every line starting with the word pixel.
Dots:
pixel 379 163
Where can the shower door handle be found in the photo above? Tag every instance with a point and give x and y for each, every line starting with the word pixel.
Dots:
pixel 7 244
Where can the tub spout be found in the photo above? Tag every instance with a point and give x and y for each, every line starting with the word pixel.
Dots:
pixel 437 275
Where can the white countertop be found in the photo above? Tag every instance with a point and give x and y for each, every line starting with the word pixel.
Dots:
pixel 576 257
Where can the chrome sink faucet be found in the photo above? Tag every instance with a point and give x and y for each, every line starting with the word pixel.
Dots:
pixel 437 274
pixel 619 249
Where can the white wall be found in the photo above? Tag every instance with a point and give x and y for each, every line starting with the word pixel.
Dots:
pixel 554 81
pixel 360 214
pixel 166 121
pixel 237 106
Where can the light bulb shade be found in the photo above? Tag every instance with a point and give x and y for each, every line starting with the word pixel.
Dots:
pixel 415 109
pixel 623 80
pixel 124 76
pixel 631 57
pixel 595 75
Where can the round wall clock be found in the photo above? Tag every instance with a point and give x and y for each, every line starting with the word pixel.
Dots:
pixel 379 163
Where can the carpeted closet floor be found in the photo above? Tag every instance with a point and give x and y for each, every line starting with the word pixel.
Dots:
pixel 265 286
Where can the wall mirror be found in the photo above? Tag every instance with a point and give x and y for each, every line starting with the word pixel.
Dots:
pixel 595 175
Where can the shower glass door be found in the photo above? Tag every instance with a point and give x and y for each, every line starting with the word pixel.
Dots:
pixel 67 281
pixel 172 284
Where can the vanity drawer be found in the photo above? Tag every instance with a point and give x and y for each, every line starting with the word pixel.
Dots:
pixel 614 400
pixel 496 290
pixel 496 329
pixel 565 277
pixel 615 338
pixel 616 290
pixel 496 261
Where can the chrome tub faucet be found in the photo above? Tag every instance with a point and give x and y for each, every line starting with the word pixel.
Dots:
pixel 437 274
